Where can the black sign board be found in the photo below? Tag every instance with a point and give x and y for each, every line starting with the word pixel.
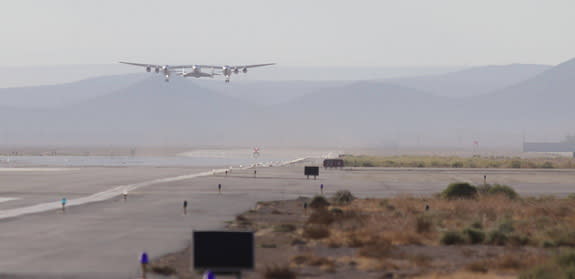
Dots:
pixel 223 251
pixel 311 171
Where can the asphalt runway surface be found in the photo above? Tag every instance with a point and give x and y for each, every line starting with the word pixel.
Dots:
pixel 104 239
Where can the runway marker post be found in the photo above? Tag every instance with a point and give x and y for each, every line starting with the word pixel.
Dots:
pixel 219 188
pixel 144 263
pixel 185 207
pixel 305 208
pixel 125 194
pixel 321 189
pixel 485 180
pixel 64 201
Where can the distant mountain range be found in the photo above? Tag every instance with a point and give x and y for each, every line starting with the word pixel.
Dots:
pixel 499 106
pixel 473 81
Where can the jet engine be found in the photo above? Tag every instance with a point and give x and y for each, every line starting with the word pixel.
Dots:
pixel 236 70
pixel 157 70
pixel 245 70
pixel 148 69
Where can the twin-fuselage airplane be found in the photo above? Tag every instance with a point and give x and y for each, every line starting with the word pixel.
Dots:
pixel 196 70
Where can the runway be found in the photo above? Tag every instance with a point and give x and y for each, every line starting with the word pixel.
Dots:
pixel 104 237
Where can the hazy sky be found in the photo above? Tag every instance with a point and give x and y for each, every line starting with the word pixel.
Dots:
pixel 294 33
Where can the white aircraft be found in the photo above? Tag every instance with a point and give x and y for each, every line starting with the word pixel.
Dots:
pixel 196 69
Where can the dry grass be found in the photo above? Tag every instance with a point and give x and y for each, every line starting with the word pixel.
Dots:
pixel 325 264
pixel 393 235
pixel 458 162
pixel 548 219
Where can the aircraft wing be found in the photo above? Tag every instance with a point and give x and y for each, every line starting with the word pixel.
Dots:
pixel 158 66
pixel 235 66
pixel 139 64
pixel 253 66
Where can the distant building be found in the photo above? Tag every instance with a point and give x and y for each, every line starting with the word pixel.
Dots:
pixel 567 145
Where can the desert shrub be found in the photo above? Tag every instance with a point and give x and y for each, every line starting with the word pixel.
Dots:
pixel 561 237
pixel 548 244
pixel 506 226
pixel 476 225
pixel 516 164
pixel 505 190
pixel 547 165
pixel 336 211
pixel 321 217
pixel 518 240
pixel 474 236
pixel 483 188
pixel 459 190
pixel 318 202
pixel 571 196
pixel 278 272
pixel 315 231
pixel 452 238
pixel 496 237
pixel 343 197
pixel 284 228
pixel 368 164
pixel 436 164
pixel 423 224
pixel 457 165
